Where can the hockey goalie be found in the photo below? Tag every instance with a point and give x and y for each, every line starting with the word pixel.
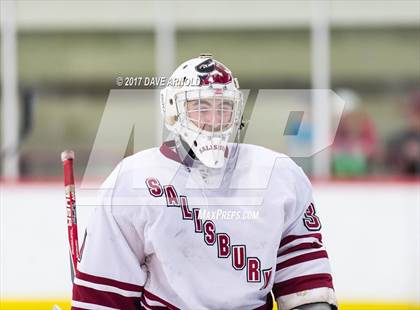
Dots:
pixel 173 231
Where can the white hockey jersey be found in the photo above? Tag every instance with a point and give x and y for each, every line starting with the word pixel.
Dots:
pixel 169 235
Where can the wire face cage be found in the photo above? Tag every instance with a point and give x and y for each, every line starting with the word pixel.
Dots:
pixel 211 112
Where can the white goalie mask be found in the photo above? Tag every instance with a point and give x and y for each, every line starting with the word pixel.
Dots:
pixel 202 106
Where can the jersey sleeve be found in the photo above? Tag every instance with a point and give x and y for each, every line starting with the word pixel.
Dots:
pixel 110 274
pixel 303 273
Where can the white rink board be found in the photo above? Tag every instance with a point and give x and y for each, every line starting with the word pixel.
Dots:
pixel 371 231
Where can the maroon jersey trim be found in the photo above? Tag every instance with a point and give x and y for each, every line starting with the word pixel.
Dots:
pixel 302 283
pixel 153 297
pixel 301 259
pixel 166 150
pixel 301 246
pixel 106 281
pixel 291 238
pixel 103 298
pixel 169 151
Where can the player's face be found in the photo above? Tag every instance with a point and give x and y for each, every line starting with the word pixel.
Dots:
pixel 211 114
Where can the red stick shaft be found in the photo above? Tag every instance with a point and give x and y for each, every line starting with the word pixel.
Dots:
pixel 67 158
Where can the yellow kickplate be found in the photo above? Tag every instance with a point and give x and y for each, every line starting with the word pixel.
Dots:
pixel 378 306
pixel 65 305
pixel 34 304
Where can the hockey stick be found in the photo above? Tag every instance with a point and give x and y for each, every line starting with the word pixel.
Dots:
pixel 67 158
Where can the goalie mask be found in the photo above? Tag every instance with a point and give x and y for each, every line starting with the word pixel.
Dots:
pixel 203 107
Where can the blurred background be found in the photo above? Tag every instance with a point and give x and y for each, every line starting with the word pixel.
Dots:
pixel 60 60
pixel 69 53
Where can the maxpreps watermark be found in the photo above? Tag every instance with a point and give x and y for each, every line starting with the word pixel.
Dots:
pixel 220 214
pixel 155 81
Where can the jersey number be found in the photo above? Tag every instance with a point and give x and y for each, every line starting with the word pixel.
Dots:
pixel 311 221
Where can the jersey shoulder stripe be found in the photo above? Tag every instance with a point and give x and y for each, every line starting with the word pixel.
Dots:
pixel 301 259
pixel 103 298
pixel 104 292
pixel 291 238
pixel 106 281
pixel 298 284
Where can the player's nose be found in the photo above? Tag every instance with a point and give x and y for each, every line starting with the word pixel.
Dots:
pixel 210 120
pixel 209 115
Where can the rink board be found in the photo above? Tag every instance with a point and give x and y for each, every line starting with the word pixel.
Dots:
pixel 370 231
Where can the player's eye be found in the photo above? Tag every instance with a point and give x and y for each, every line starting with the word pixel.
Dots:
pixel 205 104
pixel 227 106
